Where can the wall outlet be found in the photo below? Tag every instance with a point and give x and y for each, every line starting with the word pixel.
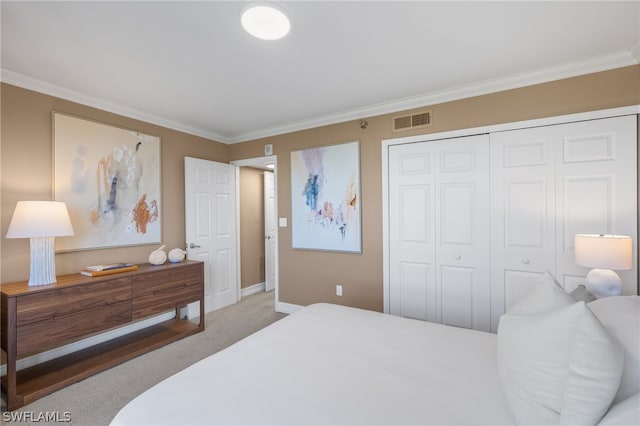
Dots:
pixel 338 290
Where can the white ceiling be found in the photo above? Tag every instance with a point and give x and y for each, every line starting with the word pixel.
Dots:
pixel 190 65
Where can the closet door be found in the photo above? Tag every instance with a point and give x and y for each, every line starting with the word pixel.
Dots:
pixel 596 191
pixel 522 213
pixel 462 232
pixel 411 231
pixel 550 183
pixel 439 231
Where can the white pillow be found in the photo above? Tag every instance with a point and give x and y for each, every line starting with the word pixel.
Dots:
pixel 556 361
pixel 544 294
pixel 624 413
pixel 620 316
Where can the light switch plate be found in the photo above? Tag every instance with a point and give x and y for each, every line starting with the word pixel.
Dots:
pixel 282 222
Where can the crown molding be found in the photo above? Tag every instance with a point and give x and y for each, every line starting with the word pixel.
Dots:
pixel 30 83
pixel 567 70
pixel 544 75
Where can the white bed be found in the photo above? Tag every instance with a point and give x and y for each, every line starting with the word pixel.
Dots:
pixel 330 365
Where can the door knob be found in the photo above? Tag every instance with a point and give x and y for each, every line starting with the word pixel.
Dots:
pixel 525 261
pixel 193 246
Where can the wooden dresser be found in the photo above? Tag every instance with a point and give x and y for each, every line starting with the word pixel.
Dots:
pixel 36 319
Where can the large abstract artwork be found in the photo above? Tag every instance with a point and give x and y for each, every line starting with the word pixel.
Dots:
pixel 325 198
pixel 109 178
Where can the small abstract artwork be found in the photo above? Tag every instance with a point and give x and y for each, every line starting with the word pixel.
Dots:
pixel 109 177
pixel 325 198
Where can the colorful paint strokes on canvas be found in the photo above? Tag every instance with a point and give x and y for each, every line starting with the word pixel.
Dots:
pixel 325 201
pixel 110 179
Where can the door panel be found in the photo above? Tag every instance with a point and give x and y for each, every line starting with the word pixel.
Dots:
pixel 417 298
pixel 522 213
pixel 210 227
pixel 596 191
pixel 270 230
pixel 462 232
pixel 412 255
pixel 525 204
pixel 457 296
pixel 415 208
pixel 439 210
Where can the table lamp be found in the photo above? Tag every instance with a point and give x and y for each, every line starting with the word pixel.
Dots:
pixel 604 253
pixel 41 221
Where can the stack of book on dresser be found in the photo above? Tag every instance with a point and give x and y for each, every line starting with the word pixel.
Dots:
pixel 112 268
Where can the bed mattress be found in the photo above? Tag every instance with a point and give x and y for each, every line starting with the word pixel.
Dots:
pixel 334 365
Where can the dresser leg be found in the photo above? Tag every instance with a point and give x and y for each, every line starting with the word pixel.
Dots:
pixel 9 382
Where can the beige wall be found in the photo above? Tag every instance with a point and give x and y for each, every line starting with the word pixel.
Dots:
pixel 26 169
pixel 251 226
pixel 311 276
pixel 305 276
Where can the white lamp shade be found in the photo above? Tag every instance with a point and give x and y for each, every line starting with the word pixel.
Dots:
pixel 604 251
pixel 40 219
pixel 265 20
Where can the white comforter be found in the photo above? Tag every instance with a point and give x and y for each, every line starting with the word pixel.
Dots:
pixel 333 365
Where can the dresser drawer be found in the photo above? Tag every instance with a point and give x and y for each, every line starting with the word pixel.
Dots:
pixel 66 328
pixel 43 306
pixel 146 284
pixel 162 297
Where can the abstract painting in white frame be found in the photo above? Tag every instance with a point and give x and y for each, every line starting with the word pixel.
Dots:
pixel 325 198
pixel 109 177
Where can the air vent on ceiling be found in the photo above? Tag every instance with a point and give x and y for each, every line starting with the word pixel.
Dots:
pixel 419 119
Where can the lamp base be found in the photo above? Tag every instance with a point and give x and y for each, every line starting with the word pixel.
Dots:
pixel 581 293
pixel 603 283
pixel 42 270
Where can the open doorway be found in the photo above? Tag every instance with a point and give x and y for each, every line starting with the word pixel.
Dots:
pixel 257 233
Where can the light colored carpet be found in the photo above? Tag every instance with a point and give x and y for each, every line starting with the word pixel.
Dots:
pixel 96 400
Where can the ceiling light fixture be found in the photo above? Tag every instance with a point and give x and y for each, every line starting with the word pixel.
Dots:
pixel 265 20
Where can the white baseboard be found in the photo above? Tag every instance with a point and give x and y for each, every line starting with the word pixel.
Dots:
pixel 287 308
pixel 85 343
pixel 256 288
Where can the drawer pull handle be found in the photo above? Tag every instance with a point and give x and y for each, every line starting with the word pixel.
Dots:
pixel 525 261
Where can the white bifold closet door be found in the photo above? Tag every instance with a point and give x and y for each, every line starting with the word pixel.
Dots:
pixel 439 231
pixel 550 183
pixel 473 221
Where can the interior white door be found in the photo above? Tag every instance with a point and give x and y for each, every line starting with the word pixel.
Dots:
pixel 546 183
pixel 412 257
pixel 550 183
pixel 596 191
pixel 462 232
pixel 210 222
pixel 270 231
pixel 438 231
pixel 523 213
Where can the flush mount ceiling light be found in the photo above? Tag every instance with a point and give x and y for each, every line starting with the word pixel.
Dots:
pixel 265 20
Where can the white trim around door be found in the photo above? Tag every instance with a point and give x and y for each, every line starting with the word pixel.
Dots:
pixel 259 162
